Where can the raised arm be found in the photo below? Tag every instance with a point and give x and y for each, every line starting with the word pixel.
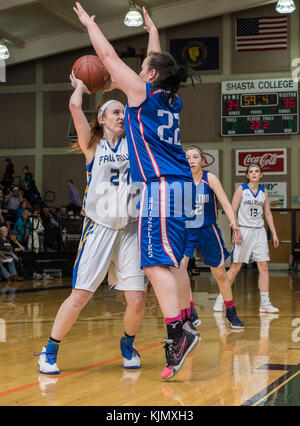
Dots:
pixel 81 124
pixel 269 219
pixel 125 78
pixel 153 41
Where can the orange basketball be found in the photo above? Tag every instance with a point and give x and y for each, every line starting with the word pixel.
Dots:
pixel 91 71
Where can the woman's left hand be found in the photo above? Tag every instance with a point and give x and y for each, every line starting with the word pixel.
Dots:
pixel 83 16
pixel 149 26
pixel 237 236
pixel 275 241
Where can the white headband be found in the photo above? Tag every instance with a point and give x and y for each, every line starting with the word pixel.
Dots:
pixel 104 106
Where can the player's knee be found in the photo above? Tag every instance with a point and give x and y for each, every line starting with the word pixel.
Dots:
pixel 137 304
pixel 220 274
pixel 263 267
pixel 79 299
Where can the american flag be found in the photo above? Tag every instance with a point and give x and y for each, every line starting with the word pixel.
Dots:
pixel 269 33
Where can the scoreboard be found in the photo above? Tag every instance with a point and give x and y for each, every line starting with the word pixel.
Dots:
pixel 259 107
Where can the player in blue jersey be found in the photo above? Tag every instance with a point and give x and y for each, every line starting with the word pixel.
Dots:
pixel 251 202
pixel 204 233
pixel 158 164
pixel 108 235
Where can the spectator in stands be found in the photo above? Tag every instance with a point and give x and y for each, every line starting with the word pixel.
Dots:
pixel 36 231
pixel 31 192
pixel 9 255
pixel 21 226
pixel 2 220
pixel 51 227
pixel 62 213
pixel 14 200
pixel 75 202
pixel 8 176
pixel 29 259
pixel 23 206
pixel 3 209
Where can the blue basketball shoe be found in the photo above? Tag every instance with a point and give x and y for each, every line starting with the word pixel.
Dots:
pixel 47 359
pixel 131 357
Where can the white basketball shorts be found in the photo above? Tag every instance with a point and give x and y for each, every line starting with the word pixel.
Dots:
pixel 103 250
pixel 254 247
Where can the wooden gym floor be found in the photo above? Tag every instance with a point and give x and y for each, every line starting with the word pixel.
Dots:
pixel 259 366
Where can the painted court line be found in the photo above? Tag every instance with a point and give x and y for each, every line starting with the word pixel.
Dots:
pixel 89 367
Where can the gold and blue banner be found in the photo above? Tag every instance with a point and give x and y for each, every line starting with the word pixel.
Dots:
pixel 197 53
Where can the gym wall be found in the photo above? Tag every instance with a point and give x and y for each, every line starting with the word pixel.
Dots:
pixel 35 116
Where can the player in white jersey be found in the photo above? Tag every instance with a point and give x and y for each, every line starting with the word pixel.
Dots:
pixel 251 203
pixel 109 241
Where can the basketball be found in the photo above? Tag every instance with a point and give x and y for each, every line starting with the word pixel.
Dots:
pixel 91 71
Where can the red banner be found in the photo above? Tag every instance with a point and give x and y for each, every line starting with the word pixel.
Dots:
pixel 272 161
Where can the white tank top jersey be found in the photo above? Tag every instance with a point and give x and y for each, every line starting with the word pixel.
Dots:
pixel 110 197
pixel 251 209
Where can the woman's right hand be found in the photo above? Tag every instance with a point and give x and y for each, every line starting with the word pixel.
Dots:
pixel 78 83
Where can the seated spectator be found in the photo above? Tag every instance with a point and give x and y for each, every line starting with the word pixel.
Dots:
pixel 8 273
pixel 3 204
pixel 51 229
pixel 29 259
pixel 14 200
pixel 2 220
pixel 36 230
pixel 75 202
pixel 21 226
pixel 62 213
pixel 23 206
pixel 9 257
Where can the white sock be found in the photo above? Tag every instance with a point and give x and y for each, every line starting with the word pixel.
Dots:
pixel 264 297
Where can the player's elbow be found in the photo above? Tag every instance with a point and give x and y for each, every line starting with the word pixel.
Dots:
pixel 73 105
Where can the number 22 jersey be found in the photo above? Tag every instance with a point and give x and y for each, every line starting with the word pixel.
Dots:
pixel 152 131
pixel 251 209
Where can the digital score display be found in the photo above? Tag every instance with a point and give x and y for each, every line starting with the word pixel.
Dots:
pixel 248 109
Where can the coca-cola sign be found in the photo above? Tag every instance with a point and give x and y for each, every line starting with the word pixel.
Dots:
pixel 272 161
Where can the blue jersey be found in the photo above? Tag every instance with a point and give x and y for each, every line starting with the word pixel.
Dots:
pixel 206 212
pixel 152 131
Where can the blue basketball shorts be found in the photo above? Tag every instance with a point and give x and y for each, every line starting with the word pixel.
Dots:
pixel 161 226
pixel 209 242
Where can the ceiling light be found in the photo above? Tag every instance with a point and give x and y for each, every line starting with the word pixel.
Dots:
pixel 133 17
pixel 4 53
pixel 285 6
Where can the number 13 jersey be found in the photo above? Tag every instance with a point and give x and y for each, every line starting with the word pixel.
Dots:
pixel 251 209
pixel 152 131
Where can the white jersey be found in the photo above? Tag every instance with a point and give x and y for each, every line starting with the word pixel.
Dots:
pixel 110 196
pixel 251 209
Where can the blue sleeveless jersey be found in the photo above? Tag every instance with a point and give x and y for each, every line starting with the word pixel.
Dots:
pixel 206 211
pixel 153 135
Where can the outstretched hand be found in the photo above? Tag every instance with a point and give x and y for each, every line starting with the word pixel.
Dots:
pixel 83 16
pixel 149 25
